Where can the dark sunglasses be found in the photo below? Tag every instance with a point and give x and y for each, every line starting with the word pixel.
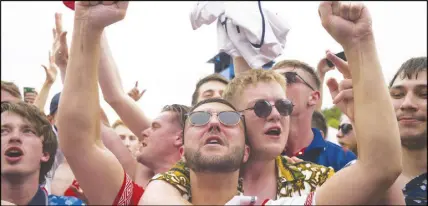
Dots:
pixel 263 108
pixel 201 118
pixel 291 78
pixel 346 128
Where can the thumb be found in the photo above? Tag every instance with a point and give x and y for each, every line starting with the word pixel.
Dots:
pixel 136 84
pixel 340 64
pixel 333 86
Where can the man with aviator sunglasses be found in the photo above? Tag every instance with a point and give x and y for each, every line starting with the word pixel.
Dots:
pixel 305 142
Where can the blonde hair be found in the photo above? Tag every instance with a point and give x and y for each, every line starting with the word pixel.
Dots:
pixel 118 123
pixel 236 87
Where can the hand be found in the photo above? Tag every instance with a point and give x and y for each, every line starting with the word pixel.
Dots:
pixel 52 71
pixel 242 200
pixel 293 160
pixel 59 46
pixel 347 23
pixel 4 202
pixel 323 67
pixel 342 94
pixel 30 97
pixel 100 14
pixel 135 94
pixel 79 193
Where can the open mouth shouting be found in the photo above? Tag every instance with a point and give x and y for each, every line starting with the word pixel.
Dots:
pixel 13 154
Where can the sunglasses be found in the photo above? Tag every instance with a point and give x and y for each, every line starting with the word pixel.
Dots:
pixel 346 128
pixel 263 108
pixel 291 78
pixel 201 118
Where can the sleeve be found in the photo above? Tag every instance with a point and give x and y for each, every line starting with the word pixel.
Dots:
pixel 179 177
pixel 301 200
pixel 129 194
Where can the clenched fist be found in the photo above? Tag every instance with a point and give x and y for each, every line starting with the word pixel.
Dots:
pixel 347 22
pixel 100 14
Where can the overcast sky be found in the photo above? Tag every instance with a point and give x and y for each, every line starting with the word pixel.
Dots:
pixel 156 45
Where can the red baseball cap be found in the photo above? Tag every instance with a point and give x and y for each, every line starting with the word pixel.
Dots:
pixel 69 4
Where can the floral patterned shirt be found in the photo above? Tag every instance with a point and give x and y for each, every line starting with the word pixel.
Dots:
pixel 292 179
pixel 415 192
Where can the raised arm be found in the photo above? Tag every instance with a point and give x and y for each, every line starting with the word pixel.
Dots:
pixel 51 73
pixel 322 69
pixel 240 65
pixel 97 170
pixel 370 177
pixel 127 109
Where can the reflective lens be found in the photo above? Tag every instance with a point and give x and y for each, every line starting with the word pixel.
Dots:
pixel 263 108
pixel 199 118
pixel 228 118
pixel 346 128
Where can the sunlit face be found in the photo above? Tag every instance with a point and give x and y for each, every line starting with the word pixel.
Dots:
pixel 211 89
pixel 299 93
pixel 409 97
pixel 347 140
pixel 128 138
pixel 214 146
pixel 21 149
pixel 159 139
pixel 7 97
pixel 264 144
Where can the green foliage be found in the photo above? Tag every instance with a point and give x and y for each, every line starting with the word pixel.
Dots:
pixel 332 115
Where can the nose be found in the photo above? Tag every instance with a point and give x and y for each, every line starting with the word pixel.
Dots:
pixel 15 137
pixel 339 134
pixel 409 103
pixel 145 134
pixel 126 142
pixel 214 123
pixel 274 115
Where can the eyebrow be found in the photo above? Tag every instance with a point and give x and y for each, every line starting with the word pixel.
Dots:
pixel 418 86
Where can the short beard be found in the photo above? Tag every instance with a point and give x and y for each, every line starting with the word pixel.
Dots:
pixel 416 142
pixel 228 163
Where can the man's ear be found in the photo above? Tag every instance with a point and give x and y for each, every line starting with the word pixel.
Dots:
pixel 246 154
pixel 45 157
pixel 314 98
pixel 50 119
pixel 178 139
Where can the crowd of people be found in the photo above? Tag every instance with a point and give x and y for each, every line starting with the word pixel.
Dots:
pixel 257 139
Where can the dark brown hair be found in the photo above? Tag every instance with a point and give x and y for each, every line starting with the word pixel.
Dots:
pixel 211 77
pixel 319 122
pixel 43 129
pixel 409 68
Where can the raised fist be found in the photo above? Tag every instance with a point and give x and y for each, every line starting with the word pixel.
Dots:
pixel 346 22
pixel 100 14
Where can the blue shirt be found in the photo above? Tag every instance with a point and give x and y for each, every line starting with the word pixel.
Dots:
pixel 42 198
pixel 326 153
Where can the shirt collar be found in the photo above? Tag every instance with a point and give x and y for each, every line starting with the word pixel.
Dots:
pixel 40 198
pixel 318 142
